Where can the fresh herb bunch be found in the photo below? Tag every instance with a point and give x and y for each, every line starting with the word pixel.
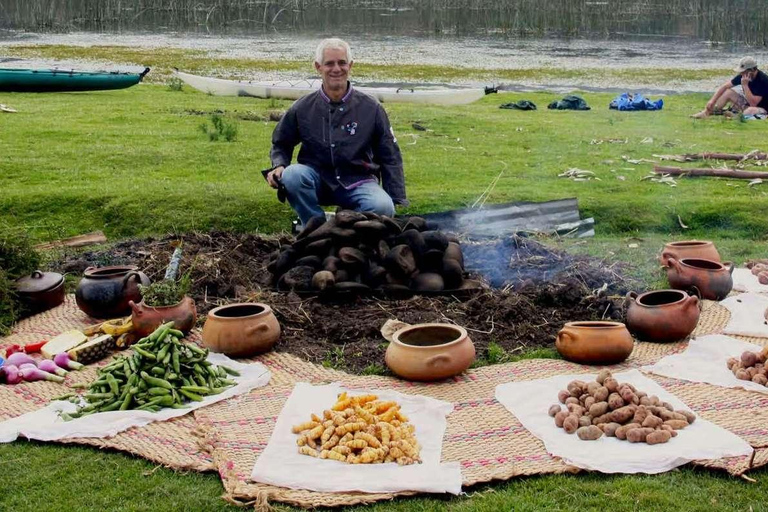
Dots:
pixel 166 292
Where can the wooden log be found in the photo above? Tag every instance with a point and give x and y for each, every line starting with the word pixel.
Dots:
pixel 725 156
pixel 720 173
pixel 97 237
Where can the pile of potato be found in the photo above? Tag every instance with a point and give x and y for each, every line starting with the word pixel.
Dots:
pixel 360 252
pixel 759 269
pixel 751 366
pixel 607 407
pixel 360 430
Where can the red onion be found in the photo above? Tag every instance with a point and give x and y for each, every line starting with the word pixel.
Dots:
pixel 63 361
pixel 10 374
pixel 18 359
pixel 49 366
pixel 31 374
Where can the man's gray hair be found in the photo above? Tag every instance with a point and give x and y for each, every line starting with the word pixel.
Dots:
pixel 332 43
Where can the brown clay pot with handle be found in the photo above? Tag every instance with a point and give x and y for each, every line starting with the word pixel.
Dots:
pixel 701 249
pixel 427 352
pixel 146 319
pixel 713 280
pixel 241 330
pixel 594 342
pixel 662 315
pixel 104 292
pixel 40 291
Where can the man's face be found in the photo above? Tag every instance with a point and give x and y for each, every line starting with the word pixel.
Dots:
pixel 335 69
pixel 749 74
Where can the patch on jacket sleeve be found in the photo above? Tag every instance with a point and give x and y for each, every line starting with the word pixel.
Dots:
pixel 392 131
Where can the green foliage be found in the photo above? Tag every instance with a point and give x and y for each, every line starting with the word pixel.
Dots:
pixel 17 258
pixel 8 304
pixel 375 369
pixel 176 84
pixel 222 128
pixel 497 354
pixel 334 358
pixel 166 292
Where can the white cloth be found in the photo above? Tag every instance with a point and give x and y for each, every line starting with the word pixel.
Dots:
pixel 747 315
pixel 280 464
pixel 745 281
pixel 46 425
pixel 705 361
pixel 529 401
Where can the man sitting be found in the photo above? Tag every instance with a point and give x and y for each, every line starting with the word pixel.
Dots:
pixel 753 100
pixel 347 145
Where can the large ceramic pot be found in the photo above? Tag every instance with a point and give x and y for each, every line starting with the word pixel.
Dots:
pixel 713 280
pixel 241 330
pixel 146 319
pixel 105 292
pixel 594 342
pixel 40 291
pixel 427 352
pixel 700 249
pixel 662 315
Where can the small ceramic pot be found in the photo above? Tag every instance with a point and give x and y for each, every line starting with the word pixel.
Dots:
pixel 700 249
pixel 662 315
pixel 241 330
pixel 427 352
pixel 146 319
pixel 711 279
pixel 104 292
pixel 40 291
pixel 594 342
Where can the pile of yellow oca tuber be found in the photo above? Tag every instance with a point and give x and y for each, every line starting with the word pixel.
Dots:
pixel 751 366
pixel 360 430
pixel 606 407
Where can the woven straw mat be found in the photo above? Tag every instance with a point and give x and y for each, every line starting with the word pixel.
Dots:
pixel 237 431
pixel 171 443
pixel 482 435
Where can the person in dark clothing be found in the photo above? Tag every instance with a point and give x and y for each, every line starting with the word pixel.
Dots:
pixel 754 84
pixel 347 145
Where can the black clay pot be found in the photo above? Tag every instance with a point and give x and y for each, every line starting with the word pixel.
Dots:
pixel 105 292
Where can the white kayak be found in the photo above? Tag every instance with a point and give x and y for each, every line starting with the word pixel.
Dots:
pixel 289 91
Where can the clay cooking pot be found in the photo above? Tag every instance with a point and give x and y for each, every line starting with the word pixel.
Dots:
pixel 146 319
pixel 594 342
pixel 104 292
pixel 241 330
pixel 663 315
pixel 427 352
pixel 701 249
pixel 713 280
pixel 40 291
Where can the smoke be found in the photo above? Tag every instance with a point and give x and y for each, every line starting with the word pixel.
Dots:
pixel 519 262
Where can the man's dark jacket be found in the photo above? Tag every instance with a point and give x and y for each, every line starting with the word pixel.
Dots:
pixel 346 143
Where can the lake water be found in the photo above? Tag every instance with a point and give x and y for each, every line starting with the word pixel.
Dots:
pixel 742 21
pixel 567 34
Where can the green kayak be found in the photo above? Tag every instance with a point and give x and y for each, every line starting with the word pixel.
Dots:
pixel 58 80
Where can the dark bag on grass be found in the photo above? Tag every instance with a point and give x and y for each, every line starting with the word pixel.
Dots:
pixel 520 105
pixel 569 102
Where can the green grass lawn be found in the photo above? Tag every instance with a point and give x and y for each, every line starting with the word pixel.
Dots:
pixel 135 162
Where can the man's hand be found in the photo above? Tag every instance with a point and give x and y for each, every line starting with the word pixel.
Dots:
pixel 274 176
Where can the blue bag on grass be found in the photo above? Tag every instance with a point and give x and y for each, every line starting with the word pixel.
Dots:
pixel 630 102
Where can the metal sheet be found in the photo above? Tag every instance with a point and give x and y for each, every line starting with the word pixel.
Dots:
pixel 560 216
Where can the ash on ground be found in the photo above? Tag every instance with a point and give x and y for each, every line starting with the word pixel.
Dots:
pixel 534 291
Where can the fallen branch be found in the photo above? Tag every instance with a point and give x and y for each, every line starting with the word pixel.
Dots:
pixel 97 237
pixel 720 173
pixel 752 155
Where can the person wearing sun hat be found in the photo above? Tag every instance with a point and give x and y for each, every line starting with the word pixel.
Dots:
pixel 751 100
